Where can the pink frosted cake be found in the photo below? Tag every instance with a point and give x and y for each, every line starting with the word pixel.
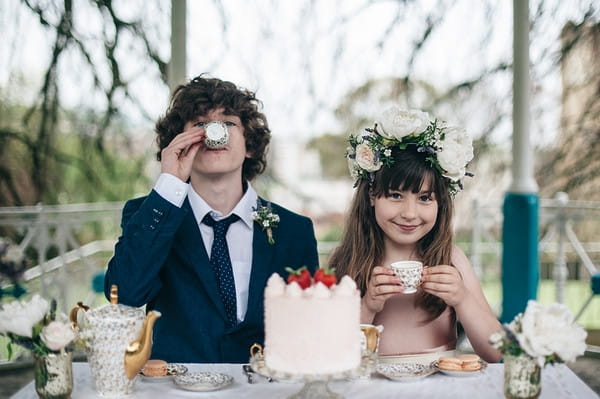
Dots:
pixel 312 331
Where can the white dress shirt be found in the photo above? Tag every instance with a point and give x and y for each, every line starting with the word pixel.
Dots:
pixel 239 236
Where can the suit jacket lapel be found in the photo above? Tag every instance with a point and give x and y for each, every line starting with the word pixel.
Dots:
pixel 262 255
pixel 189 244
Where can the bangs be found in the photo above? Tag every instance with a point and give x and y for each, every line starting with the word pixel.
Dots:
pixel 410 173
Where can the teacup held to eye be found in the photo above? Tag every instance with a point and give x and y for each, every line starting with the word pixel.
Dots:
pixel 217 135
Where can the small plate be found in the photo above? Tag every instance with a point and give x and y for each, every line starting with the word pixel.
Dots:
pixel 173 369
pixel 203 381
pixel 405 371
pixel 457 373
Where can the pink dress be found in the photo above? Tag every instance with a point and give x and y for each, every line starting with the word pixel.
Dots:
pixel 404 331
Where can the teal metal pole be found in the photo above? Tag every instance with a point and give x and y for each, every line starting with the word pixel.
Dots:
pixel 520 263
pixel 520 271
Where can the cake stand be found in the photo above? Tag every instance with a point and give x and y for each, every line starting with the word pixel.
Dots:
pixel 315 385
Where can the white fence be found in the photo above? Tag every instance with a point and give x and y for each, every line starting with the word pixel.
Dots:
pixel 569 235
pixel 63 235
pixel 59 236
pixel 73 242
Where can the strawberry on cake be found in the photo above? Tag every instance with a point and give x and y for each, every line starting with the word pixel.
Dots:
pixel 312 325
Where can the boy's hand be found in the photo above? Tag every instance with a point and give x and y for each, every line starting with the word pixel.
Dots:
pixel 177 158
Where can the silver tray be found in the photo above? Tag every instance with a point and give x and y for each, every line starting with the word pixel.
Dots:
pixel 366 367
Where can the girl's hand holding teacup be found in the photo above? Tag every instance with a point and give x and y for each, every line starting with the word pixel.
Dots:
pixel 383 284
pixel 445 282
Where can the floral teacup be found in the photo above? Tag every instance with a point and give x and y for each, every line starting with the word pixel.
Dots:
pixel 410 271
pixel 217 135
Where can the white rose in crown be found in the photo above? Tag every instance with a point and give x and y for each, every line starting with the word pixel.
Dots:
pixel 57 335
pixel 456 152
pixel 397 123
pixel 551 330
pixel 366 158
pixel 20 317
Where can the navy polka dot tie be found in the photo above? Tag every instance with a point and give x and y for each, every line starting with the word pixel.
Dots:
pixel 221 264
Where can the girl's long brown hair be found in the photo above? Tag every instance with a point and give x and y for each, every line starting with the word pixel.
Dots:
pixel 362 244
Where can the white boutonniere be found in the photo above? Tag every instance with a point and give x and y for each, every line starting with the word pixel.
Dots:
pixel 266 218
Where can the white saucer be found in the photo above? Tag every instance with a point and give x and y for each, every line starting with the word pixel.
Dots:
pixel 173 369
pixel 203 381
pixel 457 373
pixel 405 372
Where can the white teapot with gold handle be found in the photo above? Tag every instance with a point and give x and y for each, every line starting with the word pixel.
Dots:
pixel 118 342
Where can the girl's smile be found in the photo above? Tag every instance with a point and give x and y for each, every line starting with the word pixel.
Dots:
pixel 407 227
pixel 406 217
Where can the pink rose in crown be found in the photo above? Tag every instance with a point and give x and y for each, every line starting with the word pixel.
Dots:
pixel 365 158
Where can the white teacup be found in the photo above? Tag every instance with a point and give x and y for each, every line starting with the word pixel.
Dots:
pixel 410 271
pixel 217 135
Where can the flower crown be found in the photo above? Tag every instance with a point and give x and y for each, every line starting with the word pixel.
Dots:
pixel 449 149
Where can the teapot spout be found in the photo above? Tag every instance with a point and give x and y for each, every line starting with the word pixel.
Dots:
pixel 138 352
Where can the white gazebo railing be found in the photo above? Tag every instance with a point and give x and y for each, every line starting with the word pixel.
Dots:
pixel 569 230
pixel 72 244
pixel 62 236
pixel 59 236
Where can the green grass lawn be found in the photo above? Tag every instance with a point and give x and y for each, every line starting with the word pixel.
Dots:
pixel 576 293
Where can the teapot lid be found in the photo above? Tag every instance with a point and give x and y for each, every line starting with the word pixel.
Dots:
pixel 115 309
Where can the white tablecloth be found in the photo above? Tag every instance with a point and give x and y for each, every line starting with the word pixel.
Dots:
pixel 557 382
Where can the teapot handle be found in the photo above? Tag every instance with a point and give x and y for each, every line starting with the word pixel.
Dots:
pixel 75 311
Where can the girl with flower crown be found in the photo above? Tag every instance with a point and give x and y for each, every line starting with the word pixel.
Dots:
pixel 408 169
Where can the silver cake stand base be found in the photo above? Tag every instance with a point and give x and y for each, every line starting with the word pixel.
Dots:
pixel 315 385
pixel 315 389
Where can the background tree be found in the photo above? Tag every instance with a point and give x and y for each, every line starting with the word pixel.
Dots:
pixel 565 160
pixel 573 165
pixel 47 150
pixel 308 60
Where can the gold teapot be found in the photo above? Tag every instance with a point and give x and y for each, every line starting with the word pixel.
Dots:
pixel 118 342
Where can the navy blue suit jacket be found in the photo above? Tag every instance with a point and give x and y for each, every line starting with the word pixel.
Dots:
pixel 160 261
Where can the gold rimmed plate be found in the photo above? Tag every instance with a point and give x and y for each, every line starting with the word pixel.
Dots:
pixel 461 373
pixel 405 372
pixel 203 381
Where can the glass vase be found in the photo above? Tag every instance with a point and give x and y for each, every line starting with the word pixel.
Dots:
pixel 54 375
pixel 522 377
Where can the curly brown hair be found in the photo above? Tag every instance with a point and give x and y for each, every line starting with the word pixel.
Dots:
pixel 203 94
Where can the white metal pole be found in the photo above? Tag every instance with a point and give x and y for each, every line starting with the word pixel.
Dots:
pixel 176 73
pixel 522 165
pixel 560 271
